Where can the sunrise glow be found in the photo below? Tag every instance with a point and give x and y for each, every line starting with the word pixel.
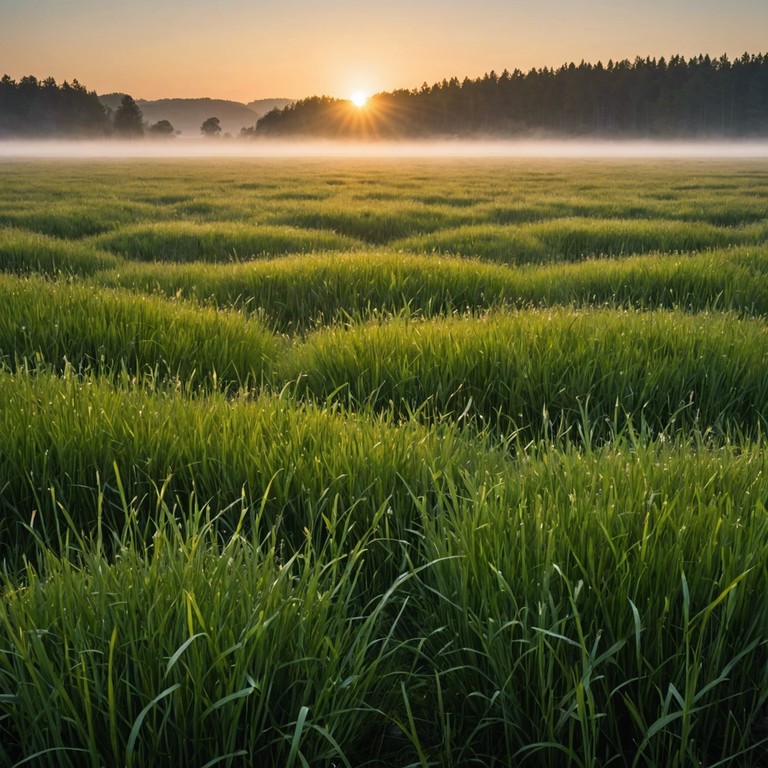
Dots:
pixel 359 99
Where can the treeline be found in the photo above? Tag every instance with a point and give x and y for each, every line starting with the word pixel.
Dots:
pixel 42 108
pixel 33 108
pixel 646 97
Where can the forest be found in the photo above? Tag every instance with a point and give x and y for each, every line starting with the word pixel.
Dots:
pixel 646 98
pixel 42 108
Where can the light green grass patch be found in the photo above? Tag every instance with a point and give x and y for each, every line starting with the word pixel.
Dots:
pixel 576 239
pixel 67 434
pixel 534 370
pixel 25 252
pixel 220 242
pixel 69 325
pixel 375 223
pixel 349 287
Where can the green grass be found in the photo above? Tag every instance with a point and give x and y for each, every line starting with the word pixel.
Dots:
pixel 524 370
pixel 726 280
pixel 574 608
pixel 576 239
pixel 359 286
pixel 28 253
pixel 279 485
pixel 375 224
pixel 242 652
pixel 557 369
pixel 298 293
pixel 377 201
pixel 69 325
pixel 574 622
pixel 62 438
pixel 187 241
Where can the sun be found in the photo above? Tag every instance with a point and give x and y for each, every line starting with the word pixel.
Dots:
pixel 359 99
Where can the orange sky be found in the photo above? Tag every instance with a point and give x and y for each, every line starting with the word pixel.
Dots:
pixel 248 49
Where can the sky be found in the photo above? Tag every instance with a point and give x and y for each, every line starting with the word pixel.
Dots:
pixel 252 49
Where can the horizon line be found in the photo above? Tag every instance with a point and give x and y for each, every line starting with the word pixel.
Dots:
pixel 555 148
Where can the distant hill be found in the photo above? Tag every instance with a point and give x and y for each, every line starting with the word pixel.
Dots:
pixel 262 106
pixel 187 115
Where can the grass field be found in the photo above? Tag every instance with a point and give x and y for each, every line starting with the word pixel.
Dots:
pixel 313 462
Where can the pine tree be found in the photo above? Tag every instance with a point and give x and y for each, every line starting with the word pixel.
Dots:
pixel 129 121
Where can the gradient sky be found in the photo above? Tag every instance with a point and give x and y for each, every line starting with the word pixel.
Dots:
pixel 249 49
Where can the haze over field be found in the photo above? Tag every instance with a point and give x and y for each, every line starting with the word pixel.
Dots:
pixel 200 148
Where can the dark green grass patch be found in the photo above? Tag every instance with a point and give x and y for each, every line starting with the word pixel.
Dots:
pixel 195 650
pixel 565 608
pixel 573 239
pixel 373 223
pixel 727 280
pixel 74 220
pixel 508 245
pixel 598 609
pixel 298 293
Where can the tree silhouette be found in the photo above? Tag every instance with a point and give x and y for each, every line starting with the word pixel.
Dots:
pixel 675 97
pixel 129 121
pixel 211 127
pixel 162 129
pixel 35 107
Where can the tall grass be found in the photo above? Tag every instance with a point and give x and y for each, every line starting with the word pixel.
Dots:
pixel 527 370
pixel 448 529
pixel 573 609
pixel 219 242
pixel 721 280
pixel 27 253
pixel 90 328
pixel 243 653
pixel 519 370
pixel 358 286
pixel 575 239
pixel 597 609
pixel 62 437
pixel 299 293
